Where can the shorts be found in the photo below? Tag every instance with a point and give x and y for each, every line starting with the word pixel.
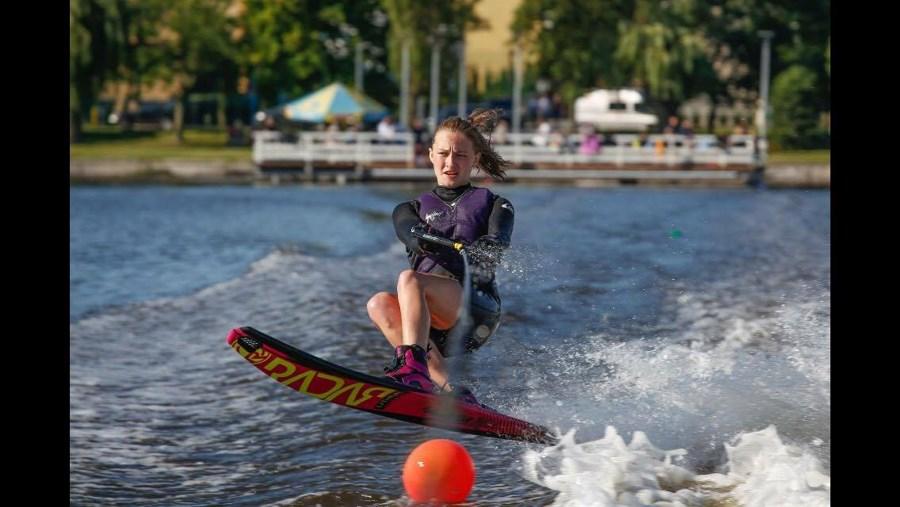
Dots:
pixel 485 309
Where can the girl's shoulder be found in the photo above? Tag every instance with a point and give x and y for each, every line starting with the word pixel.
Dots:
pixel 411 204
pixel 487 190
pixel 494 197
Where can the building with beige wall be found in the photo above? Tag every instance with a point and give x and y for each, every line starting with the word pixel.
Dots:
pixel 488 50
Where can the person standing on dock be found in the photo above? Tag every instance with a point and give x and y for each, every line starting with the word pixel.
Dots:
pixel 386 130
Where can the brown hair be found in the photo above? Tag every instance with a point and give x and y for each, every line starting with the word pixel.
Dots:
pixel 478 125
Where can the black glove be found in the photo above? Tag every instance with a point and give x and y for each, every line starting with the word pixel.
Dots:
pixel 419 245
pixel 486 253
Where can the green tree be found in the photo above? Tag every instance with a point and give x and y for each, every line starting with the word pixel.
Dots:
pixel 572 42
pixel 676 49
pixel 795 118
pixel 424 24
pixel 498 84
pixel 179 41
pixel 144 54
pixel 662 50
pixel 293 47
pixel 363 22
pixel 96 48
pixel 282 48
pixel 800 36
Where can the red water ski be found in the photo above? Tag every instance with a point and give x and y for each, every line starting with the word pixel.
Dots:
pixel 316 377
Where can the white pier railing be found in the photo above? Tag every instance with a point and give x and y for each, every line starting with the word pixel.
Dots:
pixel 524 149
pixel 332 147
pixel 629 149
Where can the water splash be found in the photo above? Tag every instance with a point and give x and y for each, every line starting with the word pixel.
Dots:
pixel 760 471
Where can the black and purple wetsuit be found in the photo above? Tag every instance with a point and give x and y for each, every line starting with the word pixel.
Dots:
pixel 467 214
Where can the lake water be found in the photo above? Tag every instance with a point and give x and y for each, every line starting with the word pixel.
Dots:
pixel 679 338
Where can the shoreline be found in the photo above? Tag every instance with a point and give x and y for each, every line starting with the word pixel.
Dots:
pixel 222 172
pixel 166 171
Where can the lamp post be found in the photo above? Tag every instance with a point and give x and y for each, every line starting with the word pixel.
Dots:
pixel 358 67
pixel 517 90
pixel 404 84
pixel 461 99
pixel 766 36
pixel 435 80
pixel 436 42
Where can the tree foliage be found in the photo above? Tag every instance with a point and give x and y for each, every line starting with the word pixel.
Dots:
pixel 290 48
pixel 423 25
pixel 193 38
pixel 795 118
pixel 96 48
pixel 281 49
pixel 572 42
pixel 663 53
pixel 671 49
pixel 675 49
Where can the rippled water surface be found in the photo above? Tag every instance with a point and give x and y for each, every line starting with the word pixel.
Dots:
pixel 695 319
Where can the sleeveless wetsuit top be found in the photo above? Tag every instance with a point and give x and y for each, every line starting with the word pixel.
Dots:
pixel 463 219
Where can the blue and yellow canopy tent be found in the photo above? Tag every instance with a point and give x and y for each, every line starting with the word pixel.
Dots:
pixel 334 102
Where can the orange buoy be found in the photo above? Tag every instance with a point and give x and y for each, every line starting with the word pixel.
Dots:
pixel 439 470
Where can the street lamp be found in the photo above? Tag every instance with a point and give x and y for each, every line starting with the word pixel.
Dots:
pixel 518 70
pixel 766 36
pixel 361 64
pixel 358 71
pixel 436 42
pixel 404 82
pixel 461 97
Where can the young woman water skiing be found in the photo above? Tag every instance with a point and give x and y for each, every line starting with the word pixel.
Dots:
pixel 420 317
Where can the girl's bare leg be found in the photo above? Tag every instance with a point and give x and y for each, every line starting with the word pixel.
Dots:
pixel 423 298
pixel 385 311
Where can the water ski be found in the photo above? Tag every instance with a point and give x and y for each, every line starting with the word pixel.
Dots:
pixel 316 377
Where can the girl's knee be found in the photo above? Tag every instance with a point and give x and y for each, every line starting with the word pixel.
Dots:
pixel 379 306
pixel 407 280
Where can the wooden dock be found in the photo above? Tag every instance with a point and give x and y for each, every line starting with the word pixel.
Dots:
pixel 626 159
pixel 676 168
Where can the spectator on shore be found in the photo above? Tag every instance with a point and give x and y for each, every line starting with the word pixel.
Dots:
pixel 740 128
pixel 542 136
pixel 659 147
pixel 558 106
pixel 236 134
pixel 356 127
pixel 545 106
pixel 420 141
pixel 640 141
pixel 687 131
pixel 532 107
pixel 591 143
pixel 420 133
pixel 501 133
pixel 672 126
pixel 386 129
pixel 331 133
pixel 558 140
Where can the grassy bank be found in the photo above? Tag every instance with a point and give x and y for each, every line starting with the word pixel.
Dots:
pixel 800 157
pixel 210 144
pixel 110 143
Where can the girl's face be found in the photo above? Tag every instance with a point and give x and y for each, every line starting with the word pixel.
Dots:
pixel 453 157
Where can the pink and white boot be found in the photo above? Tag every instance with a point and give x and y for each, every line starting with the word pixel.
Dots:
pixel 410 367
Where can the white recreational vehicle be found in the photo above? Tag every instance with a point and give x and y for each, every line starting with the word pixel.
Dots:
pixel 613 111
